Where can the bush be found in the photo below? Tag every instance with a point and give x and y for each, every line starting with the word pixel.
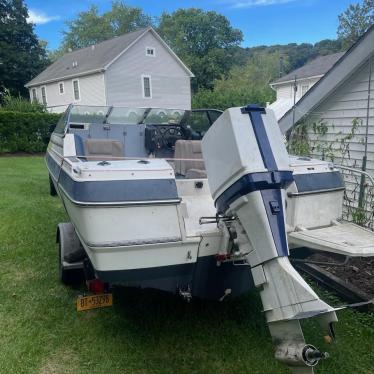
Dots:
pixel 26 132
pixel 19 104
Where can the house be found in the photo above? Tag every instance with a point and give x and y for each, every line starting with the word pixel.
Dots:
pixel 302 79
pixel 342 102
pixel 133 70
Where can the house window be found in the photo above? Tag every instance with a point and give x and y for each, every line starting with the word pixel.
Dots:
pixel 44 96
pixel 304 89
pixel 61 88
pixel 147 86
pixel 34 97
pixel 150 51
pixel 76 90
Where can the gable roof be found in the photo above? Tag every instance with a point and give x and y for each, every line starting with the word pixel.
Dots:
pixel 95 58
pixel 319 66
pixel 356 56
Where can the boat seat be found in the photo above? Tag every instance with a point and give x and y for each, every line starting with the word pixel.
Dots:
pixel 191 150
pixel 102 149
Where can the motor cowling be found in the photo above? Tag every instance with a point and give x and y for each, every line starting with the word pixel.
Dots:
pixel 247 163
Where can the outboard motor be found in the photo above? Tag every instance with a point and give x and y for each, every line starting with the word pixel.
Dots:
pixel 248 171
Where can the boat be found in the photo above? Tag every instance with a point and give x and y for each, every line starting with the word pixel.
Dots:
pixel 153 203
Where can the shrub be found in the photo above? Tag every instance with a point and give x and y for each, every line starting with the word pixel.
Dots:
pixel 25 132
pixel 19 104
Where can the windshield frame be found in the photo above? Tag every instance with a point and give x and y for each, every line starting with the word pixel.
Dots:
pixel 69 116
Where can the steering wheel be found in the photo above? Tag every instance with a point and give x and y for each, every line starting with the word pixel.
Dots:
pixel 168 135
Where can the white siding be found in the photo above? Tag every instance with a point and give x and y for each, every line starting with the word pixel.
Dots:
pixel 91 87
pixel 170 82
pixel 285 91
pixel 285 95
pixel 347 103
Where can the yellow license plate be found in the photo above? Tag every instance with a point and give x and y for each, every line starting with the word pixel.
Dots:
pixel 94 301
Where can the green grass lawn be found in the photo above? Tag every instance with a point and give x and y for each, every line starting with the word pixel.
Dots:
pixel 145 331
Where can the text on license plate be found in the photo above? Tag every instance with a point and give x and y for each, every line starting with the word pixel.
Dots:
pixel 94 301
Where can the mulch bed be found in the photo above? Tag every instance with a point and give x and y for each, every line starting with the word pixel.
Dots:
pixel 359 271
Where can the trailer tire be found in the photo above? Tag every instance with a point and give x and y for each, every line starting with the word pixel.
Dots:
pixel 70 252
pixel 65 276
pixel 52 189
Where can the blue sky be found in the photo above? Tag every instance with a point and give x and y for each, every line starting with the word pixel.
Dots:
pixel 263 22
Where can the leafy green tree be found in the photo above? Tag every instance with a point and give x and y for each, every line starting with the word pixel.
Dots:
pixel 328 46
pixel 222 100
pixel 91 27
pixel 260 69
pixel 354 21
pixel 88 28
pixel 21 55
pixel 55 54
pixel 300 54
pixel 205 41
pixel 245 84
pixel 296 55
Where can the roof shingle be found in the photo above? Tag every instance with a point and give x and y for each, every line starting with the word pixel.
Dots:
pixel 92 58
pixel 319 66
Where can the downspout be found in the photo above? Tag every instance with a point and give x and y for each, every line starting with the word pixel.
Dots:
pixel 289 131
pixel 294 101
pixel 105 87
pixel 364 159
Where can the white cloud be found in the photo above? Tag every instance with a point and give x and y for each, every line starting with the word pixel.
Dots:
pixel 255 3
pixel 40 18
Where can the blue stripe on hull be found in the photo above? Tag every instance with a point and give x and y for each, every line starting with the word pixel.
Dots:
pixel 113 191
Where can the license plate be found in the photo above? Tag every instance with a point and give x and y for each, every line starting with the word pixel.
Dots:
pixel 94 301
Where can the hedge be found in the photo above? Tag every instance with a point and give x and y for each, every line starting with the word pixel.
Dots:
pixel 26 132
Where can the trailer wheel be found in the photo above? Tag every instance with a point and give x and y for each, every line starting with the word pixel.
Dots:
pixel 52 189
pixel 64 275
pixel 70 254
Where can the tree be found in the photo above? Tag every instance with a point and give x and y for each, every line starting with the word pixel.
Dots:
pixel 205 41
pixel 244 85
pixel 91 27
pixel 21 55
pixel 354 21
pixel 296 55
pixel 327 46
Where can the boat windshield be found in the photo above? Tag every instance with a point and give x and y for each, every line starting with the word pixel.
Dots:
pixel 164 117
pixel 129 116
pixel 88 114
pixel 147 116
pixel 125 116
